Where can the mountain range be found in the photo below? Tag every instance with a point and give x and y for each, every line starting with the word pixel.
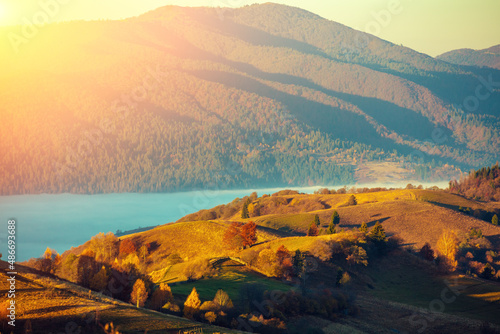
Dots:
pixel 185 98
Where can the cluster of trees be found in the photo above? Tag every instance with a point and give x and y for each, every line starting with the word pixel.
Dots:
pixel 472 254
pixel 106 265
pixel 482 184
pixel 240 236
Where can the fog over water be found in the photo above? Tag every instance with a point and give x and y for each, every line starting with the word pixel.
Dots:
pixel 63 221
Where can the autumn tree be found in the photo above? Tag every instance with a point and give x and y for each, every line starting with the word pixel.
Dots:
pixel 249 234
pixel 139 293
pixel 357 256
pixel 104 246
pixel 316 220
pixel 285 264
pixel 222 301
pixel 99 281
pixel 192 304
pixel 144 251
pixel 127 247
pixel 494 220
pixel 313 230
pixel 352 200
pixel 239 236
pixel 161 296
pixel 447 246
pixel 232 236
pixel 426 252
pixel 50 261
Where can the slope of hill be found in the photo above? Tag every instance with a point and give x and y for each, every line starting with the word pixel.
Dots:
pixel 489 57
pixel 179 99
pixel 417 216
pixel 48 305
pixel 482 184
pixel 338 281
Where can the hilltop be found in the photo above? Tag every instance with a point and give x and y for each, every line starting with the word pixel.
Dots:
pixel 188 98
pixel 489 57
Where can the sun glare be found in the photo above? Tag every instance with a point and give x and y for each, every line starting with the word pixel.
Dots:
pixel 3 13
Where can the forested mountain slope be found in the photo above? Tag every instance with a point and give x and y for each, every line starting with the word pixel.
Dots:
pixel 489 57
pixel 184 98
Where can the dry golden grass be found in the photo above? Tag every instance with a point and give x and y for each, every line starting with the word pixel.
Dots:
pixel 190 240
pixel 417 216
pixel 52 305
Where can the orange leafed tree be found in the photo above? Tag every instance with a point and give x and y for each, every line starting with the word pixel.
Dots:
pixel 313 230
pixel 127 247
pixel 447 246
pixel 161 296
pixel 249 234
pixel 232 236
pixel 139 293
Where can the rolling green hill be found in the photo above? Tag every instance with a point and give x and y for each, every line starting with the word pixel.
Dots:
pixel 185 98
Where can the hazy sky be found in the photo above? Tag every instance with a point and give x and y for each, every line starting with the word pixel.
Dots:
pixel 428 26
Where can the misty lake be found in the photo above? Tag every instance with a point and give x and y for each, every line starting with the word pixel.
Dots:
pixel 63 221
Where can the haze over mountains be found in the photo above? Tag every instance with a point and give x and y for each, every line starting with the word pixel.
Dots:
pixel 183 98
pixel 489 57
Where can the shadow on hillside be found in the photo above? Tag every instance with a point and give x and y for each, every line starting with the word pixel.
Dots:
pixel 494 239
pixel 369 224
pixel 339 122
pixel 44 310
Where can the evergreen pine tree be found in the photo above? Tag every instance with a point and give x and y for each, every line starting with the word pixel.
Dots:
pixel 377 233
pixel 244 210
pixel 316 220
pixel 335 218
pixel 363 227
pixel 494 220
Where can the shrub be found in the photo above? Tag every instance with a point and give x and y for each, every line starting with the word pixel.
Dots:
pixel 426 252
pixel 352 200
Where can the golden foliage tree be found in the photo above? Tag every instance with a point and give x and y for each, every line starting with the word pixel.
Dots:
pixel 100 280
pixel 447 246
pixel 192 304
pixel 139 293
pixel 161 296
pixel 222 301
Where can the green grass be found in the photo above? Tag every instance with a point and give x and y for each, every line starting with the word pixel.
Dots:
pixel 230 281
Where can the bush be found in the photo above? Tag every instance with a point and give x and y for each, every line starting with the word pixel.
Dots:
pixel 426 252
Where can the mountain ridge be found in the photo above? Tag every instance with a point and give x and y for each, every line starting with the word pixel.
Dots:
pixel 167 100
